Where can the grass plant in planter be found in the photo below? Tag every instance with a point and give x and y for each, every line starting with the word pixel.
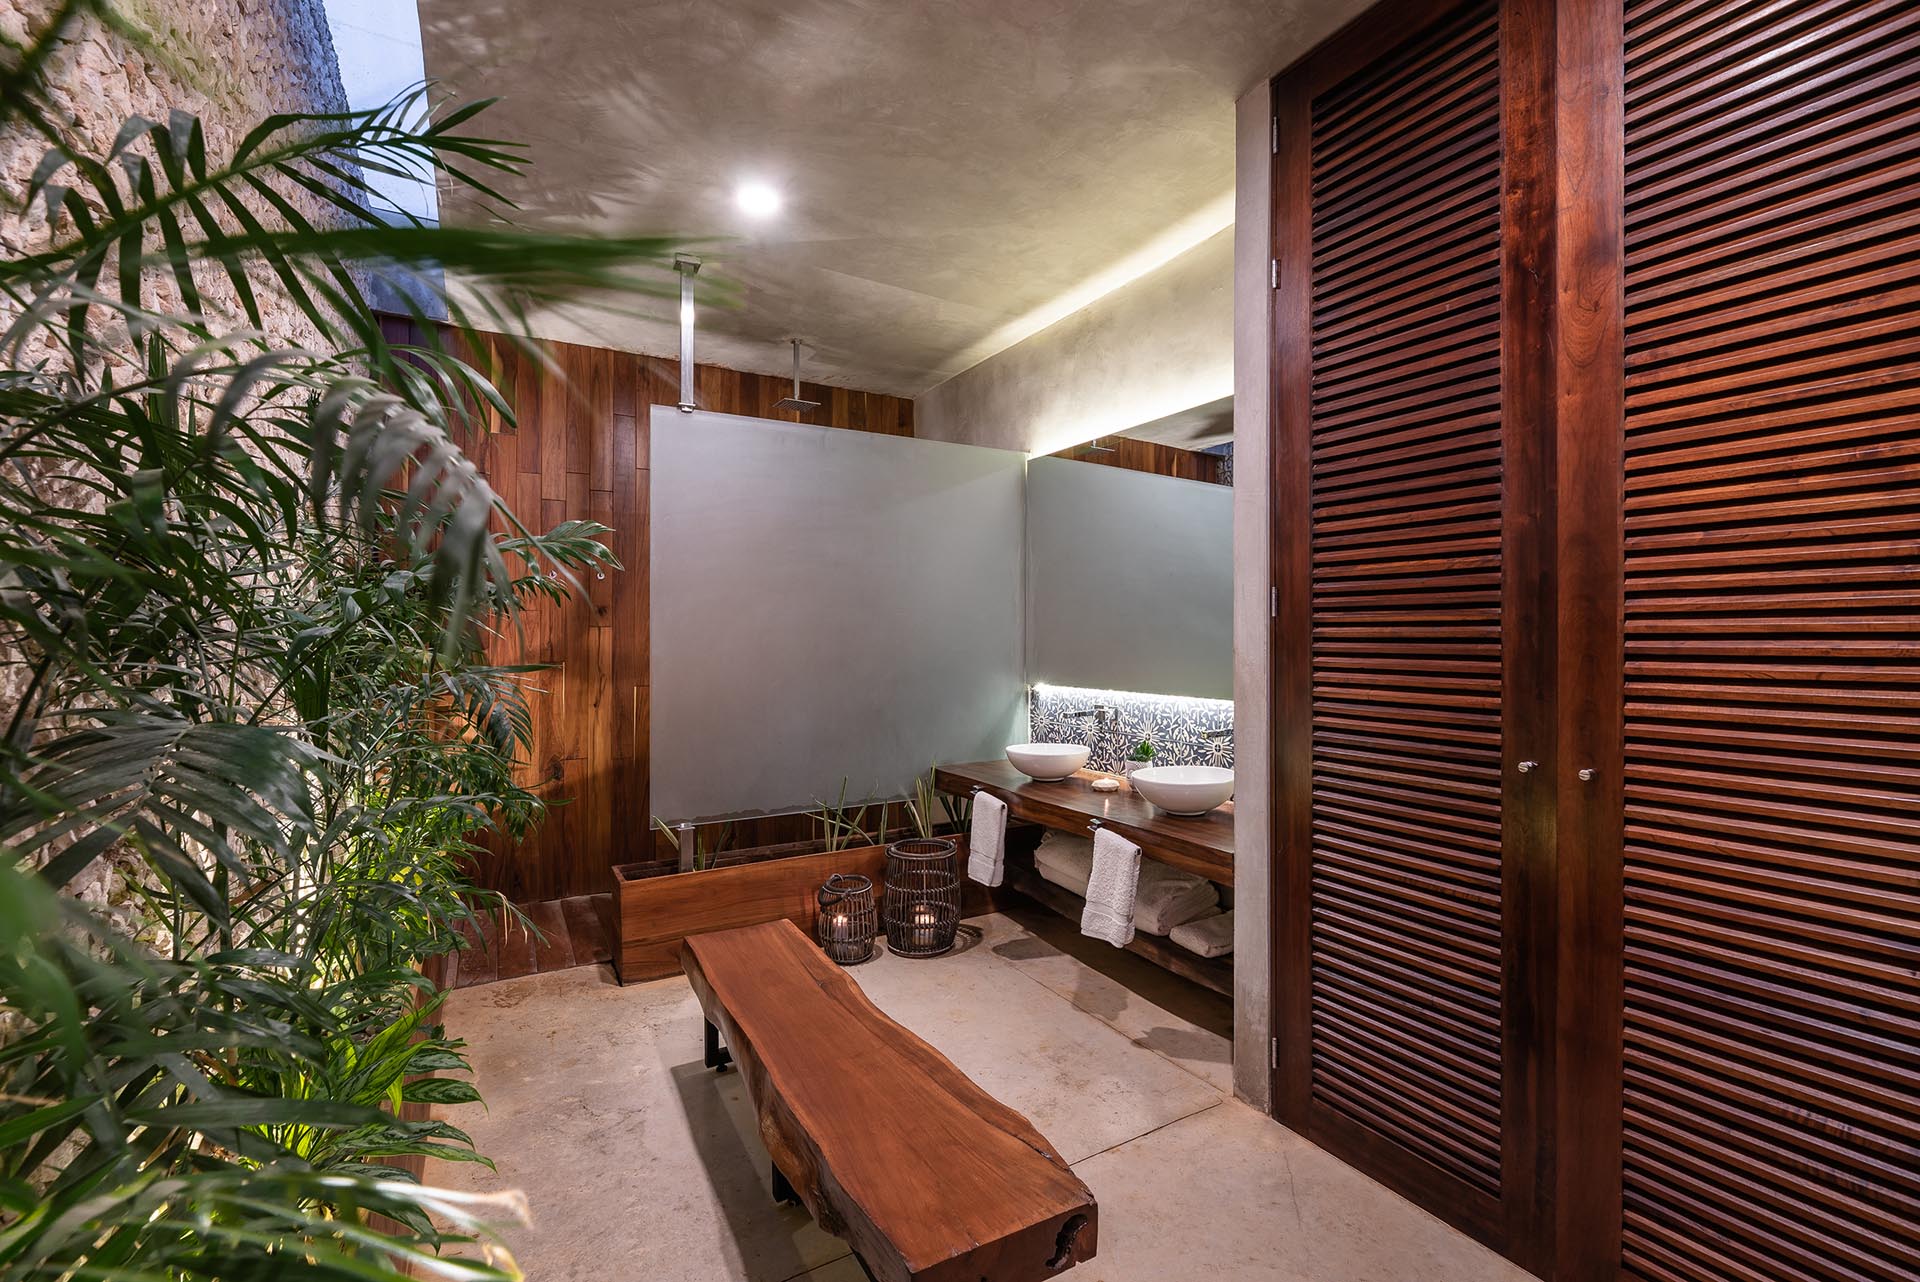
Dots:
pixel 657 904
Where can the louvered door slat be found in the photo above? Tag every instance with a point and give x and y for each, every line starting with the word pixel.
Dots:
pixel 1406 451
pixel 1772 847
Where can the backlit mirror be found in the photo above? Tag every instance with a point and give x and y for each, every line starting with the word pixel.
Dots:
pixel 1130 560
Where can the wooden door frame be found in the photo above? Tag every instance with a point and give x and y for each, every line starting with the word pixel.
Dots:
pixel 1563 388
pixel 1589 346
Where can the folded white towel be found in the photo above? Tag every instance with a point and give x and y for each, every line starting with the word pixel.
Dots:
pixel 1111 889
pixel 1171 900
pixel 1065 861
pixel 1066 876
pixel 1165 898
pixel 987 840
pixel 1209 936
pixel 1055 842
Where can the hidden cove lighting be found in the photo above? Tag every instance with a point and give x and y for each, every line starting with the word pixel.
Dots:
pixel 758 199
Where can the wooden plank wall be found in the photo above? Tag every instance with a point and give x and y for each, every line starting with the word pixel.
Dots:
pixel 580 451
pixel 1149 456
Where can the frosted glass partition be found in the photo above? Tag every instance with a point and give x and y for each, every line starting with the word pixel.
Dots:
pixel 826 604
pixel 1129 580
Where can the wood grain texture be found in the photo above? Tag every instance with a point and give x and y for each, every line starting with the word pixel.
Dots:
pixel 1771 1098
pixel 886 1143
pixel 1530 561
pixel 1201 845
pixel 1589 386
pixel 1408 915
pixel 1149 456
pixel 579 451
pixel 654 914
pixel 1416 641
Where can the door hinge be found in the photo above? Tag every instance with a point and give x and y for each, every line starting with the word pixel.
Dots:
pixel 1273 602
pixel 1275 122
pixel 1273 273
pixel 1273 1055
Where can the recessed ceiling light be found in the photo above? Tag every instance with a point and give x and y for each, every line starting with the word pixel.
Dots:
pixel 757 199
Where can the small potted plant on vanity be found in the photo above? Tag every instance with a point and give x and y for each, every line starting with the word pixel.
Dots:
pixel 1139 759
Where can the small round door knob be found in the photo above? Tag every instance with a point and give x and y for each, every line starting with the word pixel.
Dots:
pixel 1526 767
pixel 1586 775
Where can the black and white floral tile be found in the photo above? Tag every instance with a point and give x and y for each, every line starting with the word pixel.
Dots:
pixel 1226 462
pixel 1174 725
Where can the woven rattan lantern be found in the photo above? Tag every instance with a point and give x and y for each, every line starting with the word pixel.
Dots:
pixel 847 921
pixel 922 907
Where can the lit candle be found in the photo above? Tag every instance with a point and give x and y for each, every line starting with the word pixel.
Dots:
pixel 837 926
pixel 923 921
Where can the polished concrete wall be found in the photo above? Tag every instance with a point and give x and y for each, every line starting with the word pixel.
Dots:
pixel 1160 344
pixel 1253 580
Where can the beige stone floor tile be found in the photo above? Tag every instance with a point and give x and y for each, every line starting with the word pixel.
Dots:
pixel 1205 1054
pixel 637 1161
pixel 640 1163
pixel 1085 1086
pixel 844 1269
pixel 1231 1196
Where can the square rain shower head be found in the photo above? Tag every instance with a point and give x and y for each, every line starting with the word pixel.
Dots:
pixel 797 403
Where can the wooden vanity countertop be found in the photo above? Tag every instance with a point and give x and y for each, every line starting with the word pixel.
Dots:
pixel 1202 845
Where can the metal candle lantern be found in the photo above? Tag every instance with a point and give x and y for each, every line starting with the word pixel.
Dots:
pixel 922 907
pixel 847 922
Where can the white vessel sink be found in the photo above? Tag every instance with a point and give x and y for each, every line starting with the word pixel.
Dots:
pixel 1184 790
pixel 1047 760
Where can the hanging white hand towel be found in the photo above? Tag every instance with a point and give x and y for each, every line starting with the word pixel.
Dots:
pixel 1111 889
pixel 987 840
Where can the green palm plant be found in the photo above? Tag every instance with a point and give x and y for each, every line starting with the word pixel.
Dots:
pixel 246 588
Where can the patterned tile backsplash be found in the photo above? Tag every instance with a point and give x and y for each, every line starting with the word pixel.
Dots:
pixel 1175 726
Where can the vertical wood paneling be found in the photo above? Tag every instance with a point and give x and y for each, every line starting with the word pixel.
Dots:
pixel 1291 416
pixel 1588 364
pixel 1772 793
pixel 1530 588
pixel 580 452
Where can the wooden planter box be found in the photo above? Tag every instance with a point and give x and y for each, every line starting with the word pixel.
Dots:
pixel 655 905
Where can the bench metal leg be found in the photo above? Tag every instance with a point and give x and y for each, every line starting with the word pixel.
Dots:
pixel 718 1056
pixel 782 1188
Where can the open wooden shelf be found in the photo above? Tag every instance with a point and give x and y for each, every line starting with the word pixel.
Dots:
pixel 1202 845
pixel 1215 973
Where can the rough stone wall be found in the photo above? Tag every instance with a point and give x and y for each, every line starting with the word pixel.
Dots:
pixel 230 62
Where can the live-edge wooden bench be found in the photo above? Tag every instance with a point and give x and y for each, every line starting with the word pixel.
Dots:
pixel 878 1135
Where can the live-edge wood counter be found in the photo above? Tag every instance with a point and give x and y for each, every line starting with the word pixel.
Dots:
pixel 1202 845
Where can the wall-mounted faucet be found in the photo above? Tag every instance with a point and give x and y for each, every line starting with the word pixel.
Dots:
pixel 1098 710
pixel 1224 732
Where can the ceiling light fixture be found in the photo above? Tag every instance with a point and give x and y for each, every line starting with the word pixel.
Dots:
pixel 757 199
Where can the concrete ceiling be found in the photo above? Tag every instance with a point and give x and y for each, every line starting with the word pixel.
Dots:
pixel 1200 428
pixel 957 173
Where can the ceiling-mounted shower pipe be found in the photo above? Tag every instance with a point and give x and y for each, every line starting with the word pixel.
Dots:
pixel 796 402
pixel 688 266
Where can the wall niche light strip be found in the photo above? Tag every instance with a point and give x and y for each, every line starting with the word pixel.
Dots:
pixel 1176 725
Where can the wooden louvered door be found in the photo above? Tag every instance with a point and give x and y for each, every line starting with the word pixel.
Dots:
pixel 1405 1025
pixel 1772 596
